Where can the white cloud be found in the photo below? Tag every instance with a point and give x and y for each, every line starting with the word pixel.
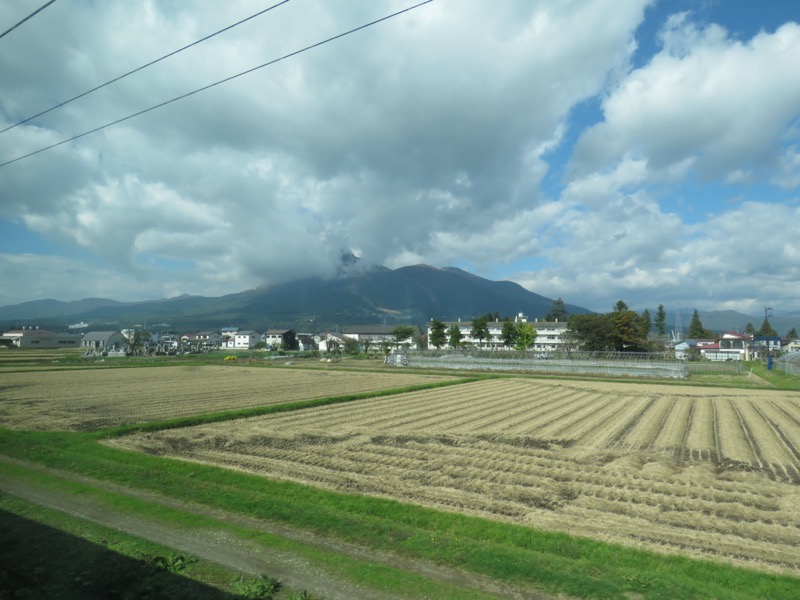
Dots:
pixel 438 137
pixel 707 97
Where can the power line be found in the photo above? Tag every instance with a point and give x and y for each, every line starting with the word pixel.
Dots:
pixel 33 14
pixel 136 70
pixel 221 81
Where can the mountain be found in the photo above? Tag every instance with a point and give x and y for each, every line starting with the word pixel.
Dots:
pixel 412 294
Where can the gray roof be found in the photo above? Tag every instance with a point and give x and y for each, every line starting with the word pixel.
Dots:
pixel 100 336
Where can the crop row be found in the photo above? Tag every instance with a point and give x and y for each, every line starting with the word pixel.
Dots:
pixel 735 433
pixel 705 516
pixel 87 399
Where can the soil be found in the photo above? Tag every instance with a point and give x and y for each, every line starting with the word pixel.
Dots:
pixel 293 570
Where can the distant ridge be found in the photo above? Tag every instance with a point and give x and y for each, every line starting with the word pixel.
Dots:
pixel 413 294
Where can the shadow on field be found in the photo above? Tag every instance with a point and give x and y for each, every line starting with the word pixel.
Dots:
pixel 38 561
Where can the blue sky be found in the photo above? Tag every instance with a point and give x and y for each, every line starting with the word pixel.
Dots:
pixel 592 150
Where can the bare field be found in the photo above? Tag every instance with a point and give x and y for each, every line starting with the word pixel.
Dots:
pixel 701 472
pixel 86 400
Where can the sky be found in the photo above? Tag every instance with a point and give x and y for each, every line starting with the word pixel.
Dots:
pixel 590 150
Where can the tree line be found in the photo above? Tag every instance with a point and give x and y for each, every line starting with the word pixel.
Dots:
pixel 621 330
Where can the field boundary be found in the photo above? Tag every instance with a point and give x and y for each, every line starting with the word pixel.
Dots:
pixel 617 364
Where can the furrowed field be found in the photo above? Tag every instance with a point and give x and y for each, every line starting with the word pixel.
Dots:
pixel 679 471
pixel 85 400
pixel 700 472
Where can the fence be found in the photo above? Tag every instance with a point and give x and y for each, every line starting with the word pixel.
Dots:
pixel 716 367
pixel 790 363
pixel 617 364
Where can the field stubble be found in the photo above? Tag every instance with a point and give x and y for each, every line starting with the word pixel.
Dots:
pixel 694 471
pixel 86 400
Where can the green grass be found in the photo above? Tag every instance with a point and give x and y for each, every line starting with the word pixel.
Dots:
pixel 776 377
pixel 359 571
pixel 514 554
pixel 88 560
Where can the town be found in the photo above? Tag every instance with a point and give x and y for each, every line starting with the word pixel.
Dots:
pixel 485 333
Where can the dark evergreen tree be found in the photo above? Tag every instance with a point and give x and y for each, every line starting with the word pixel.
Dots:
pixel 480 329
pixel 696 329
pixel 766 328
pixel 646 323
pixel 509 333
pixel 661 320
pixel 455 336
pixel 558 311
pixel 438 334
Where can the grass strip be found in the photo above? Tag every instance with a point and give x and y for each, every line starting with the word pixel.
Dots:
pixel 518 555
pixel 358 571
pixel 269 409
pixel 85 560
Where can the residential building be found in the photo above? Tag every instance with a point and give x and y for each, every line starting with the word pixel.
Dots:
pixel 276 339
pixel 548 333
pixel 377 335
pixel 209 339
pixel 33 337
pixel 246 339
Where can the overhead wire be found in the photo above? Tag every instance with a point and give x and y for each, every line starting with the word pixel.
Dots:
pixel 33 14
pixel 136 70
pixel 220 82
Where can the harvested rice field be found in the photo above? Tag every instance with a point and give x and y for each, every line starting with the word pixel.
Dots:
pixel 86 400
pixel 700 472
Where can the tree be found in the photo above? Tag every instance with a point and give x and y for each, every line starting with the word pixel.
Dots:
pixel 137 341
pixel 620 306
pixel 792 334
pixel 480 329
pixel 351 346
pixel 661 321
pixel 455 336
pixel 438 334
pixel 402 333
pixel 767 328
pixel 696 329
pixel 558 311
pixel 592 332
pixel 626 330
pixel 646 323
pixel 509 333
pixel 570 340
pixel 526 335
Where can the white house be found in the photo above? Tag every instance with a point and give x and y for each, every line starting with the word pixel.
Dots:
pixel 246 339
pixel 275 339
pixel 330 342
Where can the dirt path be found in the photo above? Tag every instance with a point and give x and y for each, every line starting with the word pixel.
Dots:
pixel 216 545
